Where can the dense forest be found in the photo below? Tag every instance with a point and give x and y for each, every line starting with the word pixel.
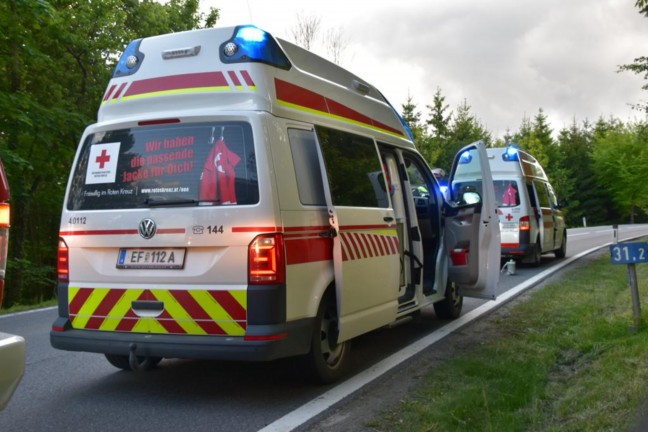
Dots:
pixel 56 57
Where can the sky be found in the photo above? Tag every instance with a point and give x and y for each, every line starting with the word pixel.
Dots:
pixel 505 58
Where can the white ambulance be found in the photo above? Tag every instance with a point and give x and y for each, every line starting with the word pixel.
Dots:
pixel 241 198
pixel 531 220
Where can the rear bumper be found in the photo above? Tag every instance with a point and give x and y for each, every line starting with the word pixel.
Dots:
pixel 520 245
pixel 296 342
pixel 517 251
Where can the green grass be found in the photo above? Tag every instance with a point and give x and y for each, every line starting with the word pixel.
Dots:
pixel 564 360
pixel 21 308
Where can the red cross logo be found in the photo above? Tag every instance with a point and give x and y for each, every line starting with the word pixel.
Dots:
pixel 509 217
pixel 103 158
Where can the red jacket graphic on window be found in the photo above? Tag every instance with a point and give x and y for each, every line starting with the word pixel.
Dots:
pixel 217 181
pixel 510 196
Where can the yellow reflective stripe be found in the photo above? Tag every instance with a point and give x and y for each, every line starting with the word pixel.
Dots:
pixel 142 326
pixel 217 313
pixel 155 326
pixel 178 313
pixel 90 306
pixel 121 308
pixel 241 297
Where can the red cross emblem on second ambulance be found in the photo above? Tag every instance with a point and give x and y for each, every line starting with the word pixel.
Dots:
pixel 509 217
pixel 103 158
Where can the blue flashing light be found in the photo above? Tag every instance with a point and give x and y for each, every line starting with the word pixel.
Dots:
pixel 130 60
pixel 511 153
pixel 251 44
pixel 465 158
pixel 252 34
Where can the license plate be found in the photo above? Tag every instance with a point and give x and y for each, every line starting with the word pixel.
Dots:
pixel 509 226
pixel 149 258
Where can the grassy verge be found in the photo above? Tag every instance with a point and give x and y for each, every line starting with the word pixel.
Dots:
pixel 21 308
pixel 564 360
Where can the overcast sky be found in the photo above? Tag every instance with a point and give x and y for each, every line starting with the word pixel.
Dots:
pixel 506 58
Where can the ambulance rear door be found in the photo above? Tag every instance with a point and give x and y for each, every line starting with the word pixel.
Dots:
pixel 472 233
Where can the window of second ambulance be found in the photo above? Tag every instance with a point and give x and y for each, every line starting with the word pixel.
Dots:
pixel 354 170
pixel 207 164
pixel 543 197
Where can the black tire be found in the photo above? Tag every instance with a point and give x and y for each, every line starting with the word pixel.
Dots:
pixel 143 363
pixel 535 258
pixel 327 359
pixel 561 252
pixel 451 305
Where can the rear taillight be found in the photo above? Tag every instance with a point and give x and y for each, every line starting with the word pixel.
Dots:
pixel 525 224
pixel 4 237
pixel 63 262
pixel 266 263
pixel 4 243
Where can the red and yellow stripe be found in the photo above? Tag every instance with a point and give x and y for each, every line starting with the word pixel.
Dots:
pixel 179 84
pixel 195 312
pixel 297 97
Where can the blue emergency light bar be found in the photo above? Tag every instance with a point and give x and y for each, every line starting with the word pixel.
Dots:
pixel 465 158
pixel 251 44
pixel 130 60
pixel 511 154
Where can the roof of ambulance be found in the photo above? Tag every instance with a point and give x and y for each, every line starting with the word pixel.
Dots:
pixel 188 72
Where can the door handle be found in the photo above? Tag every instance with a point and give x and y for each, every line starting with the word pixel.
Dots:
pixel 388 219
pixel 329 233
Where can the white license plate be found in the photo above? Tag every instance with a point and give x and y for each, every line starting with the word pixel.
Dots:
pixel 149 258
pixel 509 226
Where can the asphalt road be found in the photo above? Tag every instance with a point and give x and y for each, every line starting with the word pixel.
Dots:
pixel 72 391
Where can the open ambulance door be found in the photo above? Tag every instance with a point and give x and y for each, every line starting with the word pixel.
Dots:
pixel 472 233
pixel 363 229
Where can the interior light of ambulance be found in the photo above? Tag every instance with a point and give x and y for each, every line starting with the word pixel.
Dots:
pixel 251 44
pixel 266 260
pixel 63 261
pixel 525 223
pixel 511 154
pixel 130 61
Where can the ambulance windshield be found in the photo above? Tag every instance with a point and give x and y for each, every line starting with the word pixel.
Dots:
pixel 166 165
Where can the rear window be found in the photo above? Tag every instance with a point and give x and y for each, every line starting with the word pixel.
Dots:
pixel 193 164
pixel 507 193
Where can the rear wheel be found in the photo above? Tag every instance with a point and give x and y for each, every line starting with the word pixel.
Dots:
pixel 536 255
pixel 561 252
pixel 143 363
pixel 450 307
pixel 328 358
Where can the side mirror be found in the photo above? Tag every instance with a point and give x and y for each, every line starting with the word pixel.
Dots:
pixel 470 198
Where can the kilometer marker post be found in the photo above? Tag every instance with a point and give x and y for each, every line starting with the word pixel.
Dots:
pixel 630 254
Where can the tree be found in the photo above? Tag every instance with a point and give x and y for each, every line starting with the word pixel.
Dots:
pixel 439 123
pixel 585 200
pixel 464 129
pixel 412 118
pixel 305 30
pixel 640 64
pixel 56 58
pixel 336 44
pixel 621 161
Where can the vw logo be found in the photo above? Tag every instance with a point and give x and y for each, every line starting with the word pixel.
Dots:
pixel 147 228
